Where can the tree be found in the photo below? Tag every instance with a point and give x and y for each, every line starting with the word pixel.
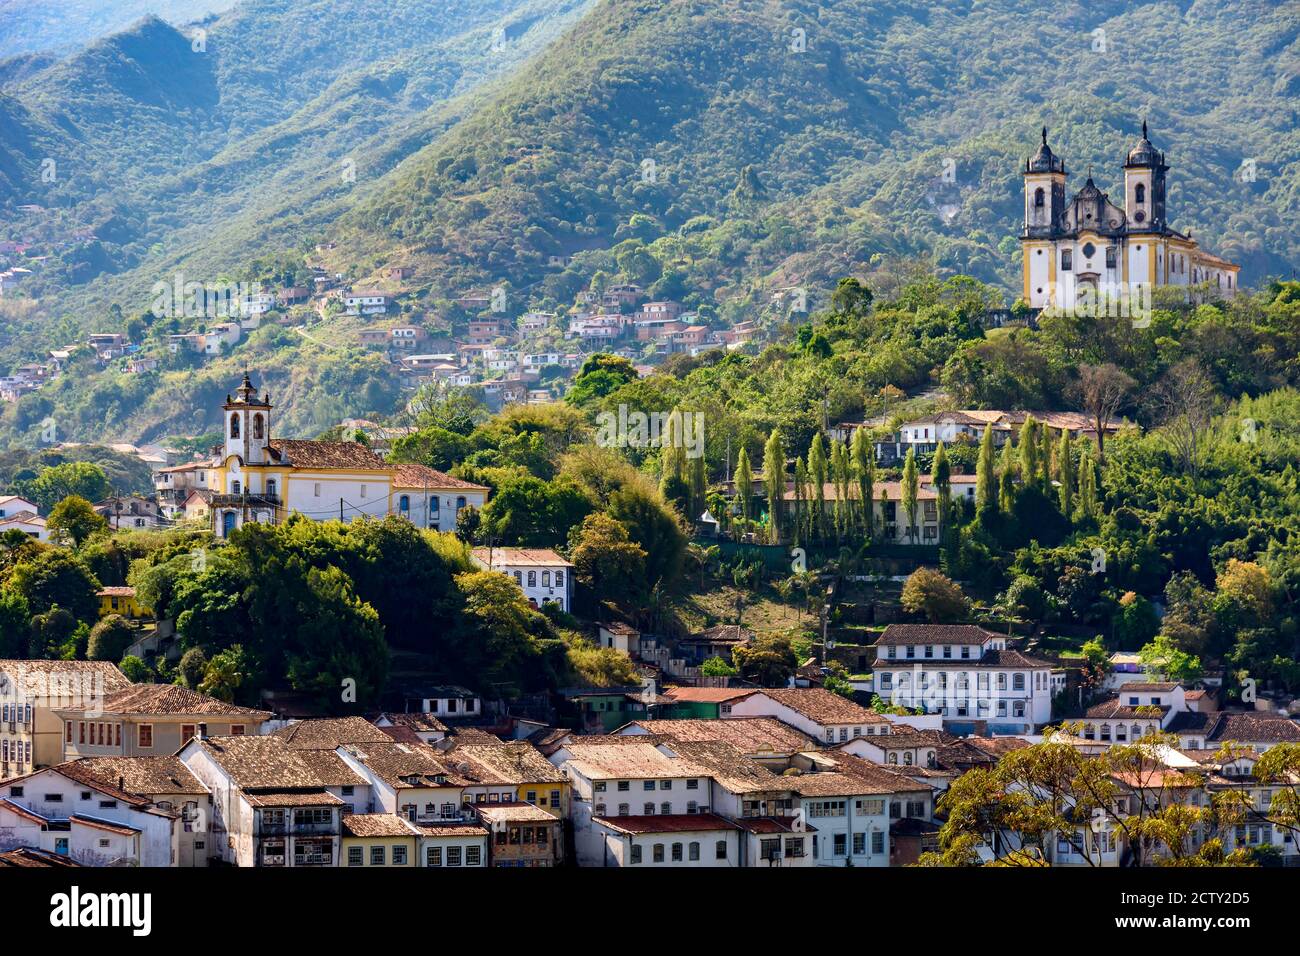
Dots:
pixel 817 483
pixel 864 472
pixel 80 478
pixel 717 667
pixel 1065 473
pixel 225 673
pixel 744 483
pixel 1102 390
pixel 986 482
pixel 931 593
pixel 15 625
pixel 109 639
pixel 1161 659
pixel 74 517
pixel 774 484
pixel 768 661
pixel 1030 463
pixel 910 490
pixel 56 577
pixel 606 560
pixel 135 670
pixel 193 665
pixel 1087 486
pixel 1184 401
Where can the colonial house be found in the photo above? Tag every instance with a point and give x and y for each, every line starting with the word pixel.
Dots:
pixel 366 302
pixel 264 479
pixel 541 574
pixel 150 720
pixel 426 728
pixel 11 505
pixel 891 522
pixel 765 740
pixel 379 839
pixel 70 814
pixel 32 693
pixel 966 674
pixel 168 785
pixel 173 485
pixel 273 805
pixel 28 522
pixel 130 511
pixel 850 804
pixel 521 834
pixel 825 716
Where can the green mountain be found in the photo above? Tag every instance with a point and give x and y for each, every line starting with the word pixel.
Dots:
pixel 848 115
pixel 30 26
pixel 714 151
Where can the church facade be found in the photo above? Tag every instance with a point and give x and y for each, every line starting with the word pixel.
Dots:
pixel 258 478
pixel 1084 249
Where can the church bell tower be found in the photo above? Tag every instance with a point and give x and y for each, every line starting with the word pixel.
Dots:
pixel 247 424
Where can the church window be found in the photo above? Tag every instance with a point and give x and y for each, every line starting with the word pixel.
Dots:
pixel 1139 216
pixel 1038 198
pixel 234 487
pixel 257 426
pixel 270 486
pixel 1089 250
pixel 234 426
pixel 316 489
pixel 1140 194
pixel 1067 260
pixel 1110 257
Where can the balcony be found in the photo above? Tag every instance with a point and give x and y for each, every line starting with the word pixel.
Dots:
pixel 246 501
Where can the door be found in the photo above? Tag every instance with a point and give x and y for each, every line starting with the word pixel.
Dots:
pixel 227 523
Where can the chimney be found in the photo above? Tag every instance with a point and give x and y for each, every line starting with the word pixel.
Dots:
pixel 203 731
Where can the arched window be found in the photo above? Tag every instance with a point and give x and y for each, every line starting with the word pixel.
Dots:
pixel 271 487
pixel 1140 193
pixel 1038 198
pixel 1105 731
pixel 234 426
pixel 1018 682
pixel 404 503
pixel 234 487
pixel 1137 732
pixel 257 426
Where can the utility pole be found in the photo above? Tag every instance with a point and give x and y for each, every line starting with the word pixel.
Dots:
pixel 340 509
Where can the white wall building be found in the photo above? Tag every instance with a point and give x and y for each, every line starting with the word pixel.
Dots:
pixel 541 574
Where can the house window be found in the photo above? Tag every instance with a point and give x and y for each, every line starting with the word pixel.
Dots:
pixel 658 855
pixel 316 489
pixel 433 856
pixel 473 856
pixel 354 856
pixel 649 809
pixel 453 856
pixel 404 504
pixel 677 852
pixel 694 851
pixel 377 856
pixel 399 856
pixel 636 855
pixel 1067 260
pixel 532 579
pixel 559 579
pixel 546 579
pixel 720 850
pixel 145 735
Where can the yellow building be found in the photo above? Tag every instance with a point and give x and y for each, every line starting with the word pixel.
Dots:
pixel 263 479
pixel 378 839
pixel 121 600
pixel 1087 249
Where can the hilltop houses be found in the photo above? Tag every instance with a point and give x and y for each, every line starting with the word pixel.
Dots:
pixel 257 477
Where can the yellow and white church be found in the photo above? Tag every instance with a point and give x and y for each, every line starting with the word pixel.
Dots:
pixel 263 479
pixel 1087 248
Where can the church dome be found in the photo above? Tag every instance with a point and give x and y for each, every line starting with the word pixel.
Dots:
pixel 1045 161
pixel 1144 154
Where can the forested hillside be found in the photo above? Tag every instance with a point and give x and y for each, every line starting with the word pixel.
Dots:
pixel 711 152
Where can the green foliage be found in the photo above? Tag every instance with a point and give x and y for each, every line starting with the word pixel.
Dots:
pixel 109 639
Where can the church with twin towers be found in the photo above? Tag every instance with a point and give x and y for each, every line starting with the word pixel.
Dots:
pixel 1086 248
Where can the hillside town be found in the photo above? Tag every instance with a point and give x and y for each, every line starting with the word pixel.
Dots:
pixel 98 771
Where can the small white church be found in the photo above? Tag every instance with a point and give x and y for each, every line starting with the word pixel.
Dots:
pixel 260 478
pixel 1086 248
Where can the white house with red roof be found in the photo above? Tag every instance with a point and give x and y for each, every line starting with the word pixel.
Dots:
pixel 542 574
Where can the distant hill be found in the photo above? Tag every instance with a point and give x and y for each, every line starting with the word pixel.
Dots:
pixel 28 26
pixel 714 151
